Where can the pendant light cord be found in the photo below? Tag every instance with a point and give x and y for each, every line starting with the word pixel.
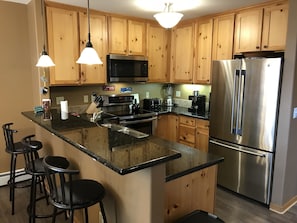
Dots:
pixel 89 44
pixel 43 23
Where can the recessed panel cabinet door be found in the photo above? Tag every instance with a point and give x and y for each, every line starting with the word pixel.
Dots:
pixel 182 49
pixel 117 35
pixel 157 39
pixel 248 30
pixel 93 74
pixel 275 27
pixel 63 45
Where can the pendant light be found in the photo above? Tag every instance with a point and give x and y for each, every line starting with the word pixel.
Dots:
pixel 44 60
pixel 89 55
pixel 168 18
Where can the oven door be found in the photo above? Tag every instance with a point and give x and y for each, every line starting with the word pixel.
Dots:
pixel 145 125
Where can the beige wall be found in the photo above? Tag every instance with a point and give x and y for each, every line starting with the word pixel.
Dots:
pixel 16 73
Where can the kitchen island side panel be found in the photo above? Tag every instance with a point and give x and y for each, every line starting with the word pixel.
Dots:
pixel 135 197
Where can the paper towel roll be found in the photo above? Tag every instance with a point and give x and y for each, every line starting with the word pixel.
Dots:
pixel 64 110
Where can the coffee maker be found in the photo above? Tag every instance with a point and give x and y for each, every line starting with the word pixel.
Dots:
pixel 198 103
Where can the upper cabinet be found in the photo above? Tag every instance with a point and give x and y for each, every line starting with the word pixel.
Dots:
pixel 63 45
pixel 248 31
pixel 182 53
pixel 203 52
pixel 261 29
pixel 275 27
pixel 93 74
pixel 67 37
pixel 126 36
pixel 222 48
pixel 157 50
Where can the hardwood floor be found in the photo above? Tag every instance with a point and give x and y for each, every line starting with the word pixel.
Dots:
pixel 230 208
pixel 235 209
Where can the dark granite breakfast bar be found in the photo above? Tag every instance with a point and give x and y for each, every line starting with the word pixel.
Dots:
pixel 146 159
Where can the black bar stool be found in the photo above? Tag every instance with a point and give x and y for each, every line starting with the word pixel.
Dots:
pixel 72 194
pixel 34 167
pixel 199 216
pixel 14 149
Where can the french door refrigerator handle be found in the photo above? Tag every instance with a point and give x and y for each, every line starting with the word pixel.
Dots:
pixel 237 149
pixel 234 101
pixel 240 102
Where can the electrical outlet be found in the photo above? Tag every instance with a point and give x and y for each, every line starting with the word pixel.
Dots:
pixel 86 99
pixel 59 99
pixel 147 94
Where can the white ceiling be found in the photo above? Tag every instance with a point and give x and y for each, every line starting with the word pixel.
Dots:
pixel 147 8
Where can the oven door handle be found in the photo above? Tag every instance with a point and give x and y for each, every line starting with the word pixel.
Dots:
pixel 138 121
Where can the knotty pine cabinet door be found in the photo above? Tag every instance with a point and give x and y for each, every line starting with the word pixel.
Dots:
pixel 203 52
pixel 223 32
pixel 182 53
pixel 202 134
pixel 167 127
pixel 248 31
pixel 93 74
pixel 275 24
pixel 157 49
pixel 127 37
pixel 63 45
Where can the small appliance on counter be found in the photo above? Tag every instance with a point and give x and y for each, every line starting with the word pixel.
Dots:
pixel 152 104
pixel 198 103
pixel 168 91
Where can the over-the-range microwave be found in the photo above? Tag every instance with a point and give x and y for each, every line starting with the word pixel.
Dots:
pixel 122 68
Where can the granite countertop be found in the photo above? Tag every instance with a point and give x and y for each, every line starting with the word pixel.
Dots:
pixel 121 152
pixel 183 111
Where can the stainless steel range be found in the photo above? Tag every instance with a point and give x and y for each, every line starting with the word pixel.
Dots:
pixel 126 108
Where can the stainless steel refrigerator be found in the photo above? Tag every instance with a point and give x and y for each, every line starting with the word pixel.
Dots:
pixel 243 123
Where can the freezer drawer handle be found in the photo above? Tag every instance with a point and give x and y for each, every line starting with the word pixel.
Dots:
pixel 237 149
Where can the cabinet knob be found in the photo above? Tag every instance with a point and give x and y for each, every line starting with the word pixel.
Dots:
pixel 265 46
pixel 257 47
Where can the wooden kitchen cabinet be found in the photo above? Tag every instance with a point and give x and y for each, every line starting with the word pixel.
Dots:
pixel 275 23
pixel 167 127
pixel 187 130
pixel 182 53
pixel 203 52
pixel 93 74
pixel 127 36
pixel 223 32
pixel 202 134
pixel 248 30
pixel 157 49
pixel 261 29
pixel 63 45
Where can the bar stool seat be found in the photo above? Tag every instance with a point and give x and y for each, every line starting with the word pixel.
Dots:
pixel 14 149
pixel 199 216
pixel 72 194
pixel 35 167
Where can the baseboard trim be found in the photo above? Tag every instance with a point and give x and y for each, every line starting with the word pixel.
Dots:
pixel 4 176
pixel 285 207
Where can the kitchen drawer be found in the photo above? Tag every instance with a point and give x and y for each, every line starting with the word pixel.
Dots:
pixel 201 123
pixel 187 121
pixel 187 134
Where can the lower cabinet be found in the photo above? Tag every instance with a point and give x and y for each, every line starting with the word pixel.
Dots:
pixel 186 130
pixel 202 134
pixel 167 127
pixel 190 192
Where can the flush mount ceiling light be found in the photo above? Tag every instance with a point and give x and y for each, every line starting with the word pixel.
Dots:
pixel 168 18
pixel 89 55
pixel 44 60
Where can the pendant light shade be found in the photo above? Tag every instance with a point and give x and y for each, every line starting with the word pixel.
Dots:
pixel 167 18
pixel 44 59
pixel 89 55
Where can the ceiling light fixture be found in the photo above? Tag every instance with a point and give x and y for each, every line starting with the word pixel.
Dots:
pixel 168 18
pixel 89 55
pixel 44 59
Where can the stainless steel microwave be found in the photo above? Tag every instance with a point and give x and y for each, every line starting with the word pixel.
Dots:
pixel 122 68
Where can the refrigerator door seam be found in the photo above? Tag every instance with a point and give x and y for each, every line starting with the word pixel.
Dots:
pixel 237 149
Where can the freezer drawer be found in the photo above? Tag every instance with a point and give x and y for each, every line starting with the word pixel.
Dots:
pixel 244 170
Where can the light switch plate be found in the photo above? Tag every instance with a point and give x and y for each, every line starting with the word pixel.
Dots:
pixel 177 94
